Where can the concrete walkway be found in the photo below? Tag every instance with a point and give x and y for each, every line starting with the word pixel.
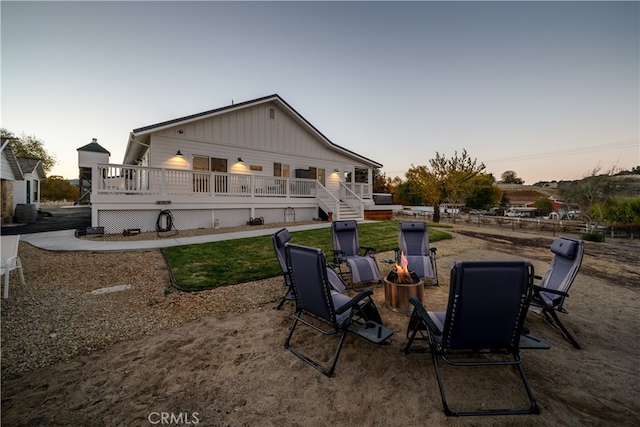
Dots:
pixel 66 240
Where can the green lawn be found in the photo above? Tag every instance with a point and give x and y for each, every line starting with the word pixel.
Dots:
pixel 209 265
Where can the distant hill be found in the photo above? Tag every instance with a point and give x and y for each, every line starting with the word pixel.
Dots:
pixel 520 194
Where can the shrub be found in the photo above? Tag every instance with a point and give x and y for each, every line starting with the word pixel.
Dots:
pixel 593 236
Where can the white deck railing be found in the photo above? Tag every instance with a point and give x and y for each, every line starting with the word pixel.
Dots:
pixel 140 180
pixel 362 190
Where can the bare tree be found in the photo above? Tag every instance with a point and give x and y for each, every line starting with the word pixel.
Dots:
pixel 593 192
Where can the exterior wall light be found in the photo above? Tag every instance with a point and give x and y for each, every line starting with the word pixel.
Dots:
pixel 179 154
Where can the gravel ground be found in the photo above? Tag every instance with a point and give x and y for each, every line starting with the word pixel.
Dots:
pixel 57 317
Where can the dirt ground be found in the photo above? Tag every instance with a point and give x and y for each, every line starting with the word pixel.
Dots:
pixel 228 366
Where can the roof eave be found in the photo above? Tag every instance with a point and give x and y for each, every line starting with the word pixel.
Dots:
pixel 142 135
pixel 13 160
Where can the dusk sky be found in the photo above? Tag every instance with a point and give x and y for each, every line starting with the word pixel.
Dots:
pixel 546 89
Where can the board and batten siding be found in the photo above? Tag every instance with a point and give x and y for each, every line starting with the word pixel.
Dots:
pixel 6 171
pixel 243 133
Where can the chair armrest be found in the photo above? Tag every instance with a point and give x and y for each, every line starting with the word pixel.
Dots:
pixel 338 255
pixel 422 313
pixel 537 289
pixel 368 250
pixel 354 301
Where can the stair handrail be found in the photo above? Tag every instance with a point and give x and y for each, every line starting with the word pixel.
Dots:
pixel 352 199
pixel 327 201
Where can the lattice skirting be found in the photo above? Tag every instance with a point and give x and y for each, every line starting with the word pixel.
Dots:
pixel 115 221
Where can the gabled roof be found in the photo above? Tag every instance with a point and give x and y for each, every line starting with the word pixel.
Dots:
pixel 7 150
pixel 94 147
pixel 32 165
pixel 141 135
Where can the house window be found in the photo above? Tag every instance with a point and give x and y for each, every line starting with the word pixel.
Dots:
pixel 272 113
pixel 362 175
pixel 321 175
pixel 201 182
pixel 200 163
pixel 281 170
pixel 218 165
pixel 36 186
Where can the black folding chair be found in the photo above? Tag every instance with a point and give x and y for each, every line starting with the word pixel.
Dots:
pixel 325 310
pixel 483 324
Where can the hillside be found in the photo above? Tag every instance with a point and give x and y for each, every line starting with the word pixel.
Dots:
pixel 520 194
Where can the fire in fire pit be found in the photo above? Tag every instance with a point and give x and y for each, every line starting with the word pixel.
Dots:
pixel 402 274
pixel 400 285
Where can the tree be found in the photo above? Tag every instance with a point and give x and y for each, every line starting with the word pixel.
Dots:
pixel 30 146
pixel 56 188
pixel 406 195
pixel 447 180
pixel 625 211
pixel 483 192
pixel 594 193
pixel 380 182
pixel 543 205
pixel 510 177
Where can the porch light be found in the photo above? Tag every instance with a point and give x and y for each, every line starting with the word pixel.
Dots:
pixel 336 170
pixel 240 160
pixel 179 154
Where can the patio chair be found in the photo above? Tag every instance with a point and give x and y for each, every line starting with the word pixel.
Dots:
pixel 360 260
pixel 483 323
pixel 10 260
pixel 413 243
pixel 553 287
pixel 280 239
pixel 325 310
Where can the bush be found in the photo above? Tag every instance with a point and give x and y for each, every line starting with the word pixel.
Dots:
pixel 593 236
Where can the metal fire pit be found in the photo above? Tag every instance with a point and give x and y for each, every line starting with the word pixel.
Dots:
pixel 396 295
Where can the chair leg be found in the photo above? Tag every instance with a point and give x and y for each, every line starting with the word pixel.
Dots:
pixel 327 372
pixel 282 301
pixel 19 264
pixel 285 298
pixel 435 271
pixel 565 332
pixel 533 408
pixel 6 284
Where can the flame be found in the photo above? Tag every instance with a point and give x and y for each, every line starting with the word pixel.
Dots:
pixel 402 270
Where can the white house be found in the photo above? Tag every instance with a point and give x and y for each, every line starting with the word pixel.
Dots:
pixel 255 159
pixel 20 186
pixel 10 172
pixel 27 191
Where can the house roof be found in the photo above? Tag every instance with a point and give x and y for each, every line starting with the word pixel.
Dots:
pixel 141 135
pixel 32 165
pixel 7 151
pixel 93 146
